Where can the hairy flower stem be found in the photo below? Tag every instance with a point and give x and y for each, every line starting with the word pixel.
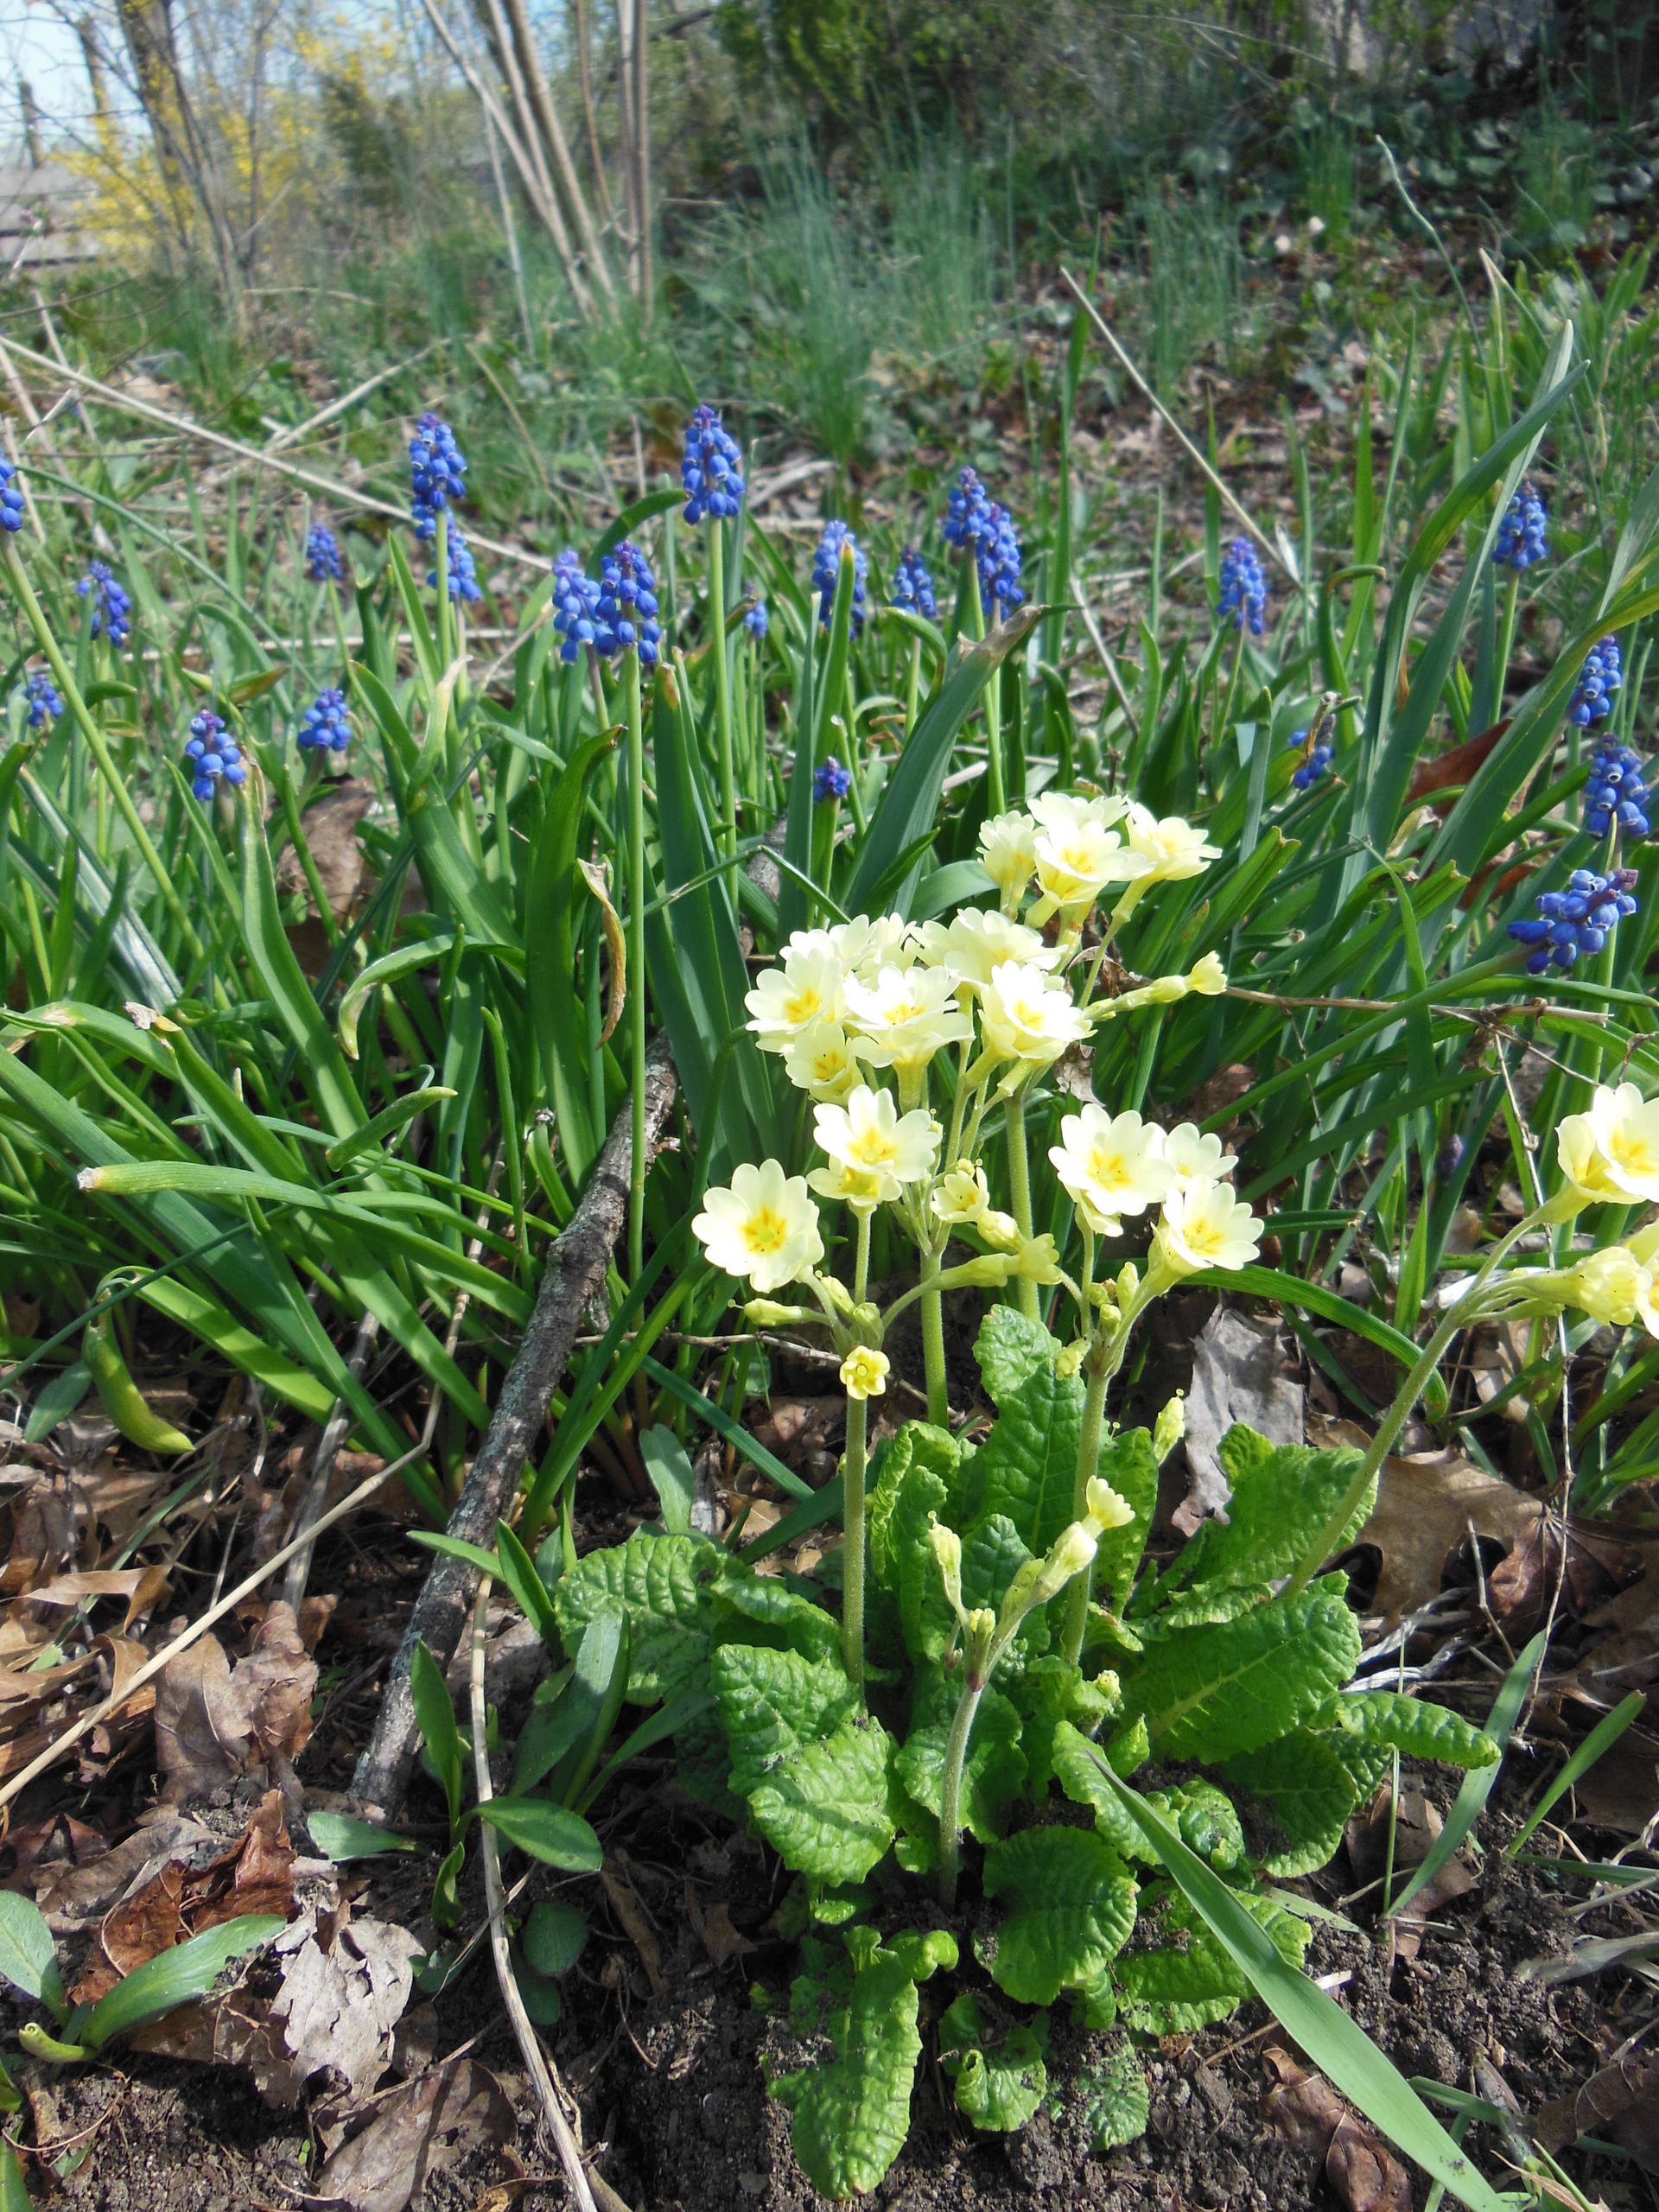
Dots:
pixel 722 685
pixel 18 576
pixel 1100 1371
pixel 852 1604
pixel 1019 1193
pixel 1466 1310
pixel 938 1402
pixel 636 962
pixel 956 1753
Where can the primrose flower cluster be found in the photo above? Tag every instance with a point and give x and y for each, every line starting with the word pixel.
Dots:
pixel 865 1016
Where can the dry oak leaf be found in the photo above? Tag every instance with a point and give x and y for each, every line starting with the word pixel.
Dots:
pixel 1304 2108
pixel 1426 1505
pixel 213 1721
pixel 345 1985
pixel 1621 2101
pixel 422 2128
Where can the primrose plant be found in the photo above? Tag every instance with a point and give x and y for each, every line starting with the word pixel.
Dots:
pixel 999 1643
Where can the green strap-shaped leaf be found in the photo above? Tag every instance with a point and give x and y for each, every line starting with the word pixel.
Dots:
pixel 174 1978
pixel 1210 1693
pixel 1070 1908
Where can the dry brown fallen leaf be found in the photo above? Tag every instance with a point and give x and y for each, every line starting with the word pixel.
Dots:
pixel 1425 1506
pixel 213 1721
pixel 1621 2101
pixel 1237 1376
pixel 421 2129
pixel 1303 2107
pixel 714 1929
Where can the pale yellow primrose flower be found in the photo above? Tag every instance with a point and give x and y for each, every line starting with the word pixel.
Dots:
pixel 906 1015
pixel 999 1229
pixel 1007 854
pixel 1192 1157
pixel 763 1226
pixel 821 1061
pixel 1112 1165
pixel 1077 857
pixel 851 1186
pixel 1175 849
pixel 804 988
pixel 1027 1015
pixel 1205 1227
pixel 870 1137
pixel 1064 811
pixel 1036 1261
pixel 1612 1286
pixel 864 1372
pixel 976 942
pixel 866 945
pixel 961 1193
pixel 1106 1508
pixel 1611 1155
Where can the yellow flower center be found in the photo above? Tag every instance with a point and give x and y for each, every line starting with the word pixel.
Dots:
pixel 1632 1154
pixel 806 1006
pixel 872 1147
pixel 765 1231
pixel 829 1064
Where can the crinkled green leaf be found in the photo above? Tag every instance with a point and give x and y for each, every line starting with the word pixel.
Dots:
pixel 1028 1466
pixel 813 1768
pixel 1076 1769
pixel 1069 1909
pixel 1113 2097
pixel 934 1452
pixel 1178 1988
pixel 991 1773
pixel 662 1584
pixel 760 1609
pixel 1047 1692
pixel 912 1572
pixel 993 1553
pixel 1205 1820
pixel 1000 2079
pixel 1212 1692
pixel 1283 1495
pixel 1309 1791
pixel 1127 1463
pixel 1417 1731
pixel 851 2114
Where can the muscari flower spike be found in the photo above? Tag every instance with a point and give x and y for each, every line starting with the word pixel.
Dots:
pixel 437 473
pixel 576 605
pixel 712 470
pixel 212 752
pixel 826 567
pixel 1576 920
pixel 112 608
pixel 463 573
pixel 912 587
pixel 45 704
pixel 1617 793
pixel 628 604
pixel 999 559
pixel 831 781
pixel 11 498
pixel 323 564
pixel 755 621
pixel 1318 760
pixel 1243 588
pixel 325 727
pixel 1602 675
pixel 966 512
pixel 1521 540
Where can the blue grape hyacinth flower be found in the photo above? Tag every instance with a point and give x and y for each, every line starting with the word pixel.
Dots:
pixel 912 587
pixel 1243 588
pixel 628 604
pixel 1577 920
pixel 1602 675
pixel 831 781
pixel 712 470
pixel 576 605
pixel 437 473
pixel 1521 540
pixel 463 571
pixel 1617 793
pixel 45 702
pixel 323 564
pixel 999 559
pixel 1318 760
pixel 757 622
pixel 11 498
pixel 826 568
pixel 966 512
pixel 213 753
pixel 112 608
pixel 325 727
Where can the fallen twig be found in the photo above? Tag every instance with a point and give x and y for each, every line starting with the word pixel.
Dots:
pixel 575 1270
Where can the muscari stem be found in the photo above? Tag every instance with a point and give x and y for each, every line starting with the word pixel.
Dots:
pixel 18 577
pixel 852 1608
pixel 722 687
pixel 636 960
pixel 1019 1193
pixel 956 1753
pixel 1458 1316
